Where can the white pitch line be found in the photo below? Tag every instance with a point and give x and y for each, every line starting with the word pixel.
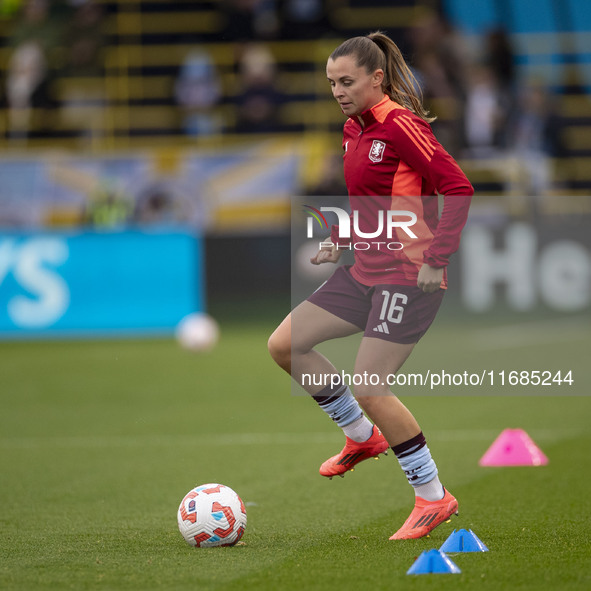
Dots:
pixel 242 439
pixel 217 440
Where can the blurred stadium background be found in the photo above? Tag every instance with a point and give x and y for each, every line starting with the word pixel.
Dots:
pixel 150 153
pixel 187 127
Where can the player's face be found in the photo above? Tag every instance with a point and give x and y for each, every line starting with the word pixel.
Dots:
pixel 354 89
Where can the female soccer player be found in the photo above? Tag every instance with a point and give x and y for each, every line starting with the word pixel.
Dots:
pixel 394 168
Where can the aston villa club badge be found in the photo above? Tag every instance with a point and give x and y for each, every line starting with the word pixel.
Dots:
pixel 377 151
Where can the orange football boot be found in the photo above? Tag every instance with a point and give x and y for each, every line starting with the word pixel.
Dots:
pixel 426 516
pixel 353 453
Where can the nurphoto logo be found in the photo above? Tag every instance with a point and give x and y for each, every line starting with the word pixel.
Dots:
pixel 349 224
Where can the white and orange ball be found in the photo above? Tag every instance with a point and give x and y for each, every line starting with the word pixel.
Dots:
pixel 211 515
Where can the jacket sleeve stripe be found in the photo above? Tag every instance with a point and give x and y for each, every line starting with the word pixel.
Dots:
pixel 414 133
pixel 420 133
pixel 417 145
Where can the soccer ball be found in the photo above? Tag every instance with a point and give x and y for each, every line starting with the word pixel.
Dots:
pixel 197 332
pixel 211 515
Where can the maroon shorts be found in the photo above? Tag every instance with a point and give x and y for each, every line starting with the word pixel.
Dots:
pixel 394 313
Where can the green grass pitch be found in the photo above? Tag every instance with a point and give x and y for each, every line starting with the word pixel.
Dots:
pixel 99 441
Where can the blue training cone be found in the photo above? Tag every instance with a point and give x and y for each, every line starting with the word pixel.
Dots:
pixel 434 561
pixel 463 541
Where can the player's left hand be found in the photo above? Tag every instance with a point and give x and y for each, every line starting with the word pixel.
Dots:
pixel 430 278
pixel 327 254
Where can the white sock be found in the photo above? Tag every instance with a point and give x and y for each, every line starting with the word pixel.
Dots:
pixel 430 491
pixel 359 430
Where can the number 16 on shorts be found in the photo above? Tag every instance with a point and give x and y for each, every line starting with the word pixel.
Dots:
pixel 405 313
pixel 393 306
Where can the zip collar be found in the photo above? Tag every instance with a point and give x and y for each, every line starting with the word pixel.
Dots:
pixel 376 113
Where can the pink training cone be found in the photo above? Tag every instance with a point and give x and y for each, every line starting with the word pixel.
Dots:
pixel 513 447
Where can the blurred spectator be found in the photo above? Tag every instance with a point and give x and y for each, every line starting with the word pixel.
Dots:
pixel 304 19
pixel 108 208
pixel 170 200
pixel 498 56
pixel 198 91
pixel 439 58
pixel 249 20
pixel 258 97
pixel 84 40
pixel 27 85
pixel 156 204
pixel 483 114
pixel 36 41
pixel 83 87
pixel 42 22
pixel 534 138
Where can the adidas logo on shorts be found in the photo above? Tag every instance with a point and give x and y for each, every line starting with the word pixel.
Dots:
pixel 383 327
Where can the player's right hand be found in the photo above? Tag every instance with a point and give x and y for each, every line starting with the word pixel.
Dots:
pixel 326 255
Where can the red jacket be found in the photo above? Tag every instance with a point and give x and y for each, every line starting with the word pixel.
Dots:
pixel 394 163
